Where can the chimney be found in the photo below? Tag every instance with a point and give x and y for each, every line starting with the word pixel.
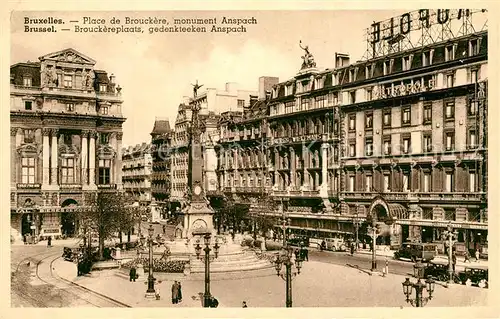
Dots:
pixel 231 87
pixel 266 83
pixel 112 78
pixel 341 60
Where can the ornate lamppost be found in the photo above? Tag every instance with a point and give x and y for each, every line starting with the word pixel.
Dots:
pixel 373 232
pixel 287 258
pixel 451 236
pixel 419 286
pixel 207 258
pixel 151 281
pixel 356 222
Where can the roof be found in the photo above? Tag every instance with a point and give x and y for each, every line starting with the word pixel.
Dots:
pixel 161 127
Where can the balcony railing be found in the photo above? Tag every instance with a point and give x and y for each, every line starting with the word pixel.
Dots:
pixel 28 186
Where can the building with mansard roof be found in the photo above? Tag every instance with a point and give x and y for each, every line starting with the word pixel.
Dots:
pixel 136 172
pixel 66 135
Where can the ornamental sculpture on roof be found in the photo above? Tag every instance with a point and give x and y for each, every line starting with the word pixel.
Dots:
pixel 307 57
pixel 195 88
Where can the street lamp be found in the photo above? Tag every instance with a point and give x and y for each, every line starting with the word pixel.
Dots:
pixel 419 286
pixel 206 236
pixel 151 283
pixel 288 259
pixel 451 236
pixel 373 233
pixel 357 222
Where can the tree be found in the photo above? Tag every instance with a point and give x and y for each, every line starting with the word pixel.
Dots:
pixel 262 216
pixel 105 215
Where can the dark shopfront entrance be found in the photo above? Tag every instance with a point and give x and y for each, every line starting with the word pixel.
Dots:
pixel 26 223
pixel 68 223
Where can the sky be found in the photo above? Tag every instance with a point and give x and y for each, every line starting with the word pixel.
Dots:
pixel 156 70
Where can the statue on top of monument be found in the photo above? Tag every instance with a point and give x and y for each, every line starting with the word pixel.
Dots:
pixel 195 88
pixel 307 57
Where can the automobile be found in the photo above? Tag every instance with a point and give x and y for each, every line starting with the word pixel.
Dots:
pixel 335 244
pixel 416 251
pixel 474 276
pixel 298 241
pixel 438 271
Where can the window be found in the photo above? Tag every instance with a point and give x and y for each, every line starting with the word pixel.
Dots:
pixel 369 146
pixel 406 63
pixel 473 47
pixel 387 67
pixel 449 110
pixel 352 149
pixel 427 182
pixel 472 181
pixel 28 170
pixel 29 136
pixel 406 118
pixel 427 113
pixel 304 103
pixel 67 171
pixel 351 183
pixel 104 110
pixel 320 101
pixel 449 53
pixel 387 118
pixel 406 181
pixel 369 94
pixel 472 139
pixel 387 182
pixel 26 81
pixel 28 105
pixel 368 183
pixel 289 107
pixel 318 83
pixel 474 75
pixel 369 120
pixel 70 107
pixel 68 81
pixel 426 58
pixel 104 138
pixel 352 122
pixel 449 182
pixel 387 145
pixel 427 142
pixel 352 96
pixel 241 103
pixel 67 139
pixel 369 71
pixel 104 171
pixel 333 99
pixel 103 87
pixel 406 144
pixel 352 75
pixel 449 141
pixel 450 79
pixel 289 89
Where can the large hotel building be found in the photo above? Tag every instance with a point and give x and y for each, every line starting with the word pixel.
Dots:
pixel 65 141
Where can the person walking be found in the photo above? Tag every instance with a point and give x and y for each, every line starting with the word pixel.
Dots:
pixel 466 256
pixel 352 249
pixel 164 229
pixel 49 241
pixel 179 292
pixel 174 292
pixel 323 245
pixel 132 274
pixel 477 254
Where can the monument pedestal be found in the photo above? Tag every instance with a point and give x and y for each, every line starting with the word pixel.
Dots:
pixel 197 215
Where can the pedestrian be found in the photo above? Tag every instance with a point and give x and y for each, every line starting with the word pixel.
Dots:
pixel 352 249
pixel 323 245
pixel 49 241
pixel 132 274
pixel 179 292
pixel 477 254
pixel 296 252
pixel 24 239
pixel 306 254
pixel 466 256
pixel 164 229
pixel 453 261
pixel 244 304
pixel 174 292
pixel 213 302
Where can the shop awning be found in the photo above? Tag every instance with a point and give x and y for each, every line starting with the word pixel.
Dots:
pixel 397 211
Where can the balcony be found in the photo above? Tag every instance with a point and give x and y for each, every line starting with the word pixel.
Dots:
pixel 64 187
pixel 106 186
pixel 28 186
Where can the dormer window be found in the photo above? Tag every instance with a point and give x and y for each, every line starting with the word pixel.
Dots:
pixel 104 110
pixel 407 63
pixel 387 67
pixel 449 53
pixel 289 89
pixel 70 107
pixel 369 71
pixel 318 83
pixel 103 88
pixel 427 58
pixel 473 47
pixel 352 75
pixel 26 81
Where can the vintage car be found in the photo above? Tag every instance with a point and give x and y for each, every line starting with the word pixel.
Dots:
pixel 298 241
pixel 474 276
pixel 438 271
pixel 416 251
pixel 335 244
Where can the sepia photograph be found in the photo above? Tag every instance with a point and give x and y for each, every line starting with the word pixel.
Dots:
pixel 249 158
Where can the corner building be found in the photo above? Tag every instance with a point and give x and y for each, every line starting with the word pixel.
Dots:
pixel 65 141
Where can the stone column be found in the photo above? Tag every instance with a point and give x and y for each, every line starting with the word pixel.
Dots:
pixel 293 167
pixel 324 164
pixel 118 161
pixel 54 159
pixel 13 149
pixel 276 166
pixel 84 158
pixel 92 137
pixel 46 157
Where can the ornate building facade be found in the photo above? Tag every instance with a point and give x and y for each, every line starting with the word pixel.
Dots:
pixel 136 172
pixel 66 135
pixel 161 179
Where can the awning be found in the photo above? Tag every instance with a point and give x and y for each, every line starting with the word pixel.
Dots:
pixel 397 211
pixel 443 224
